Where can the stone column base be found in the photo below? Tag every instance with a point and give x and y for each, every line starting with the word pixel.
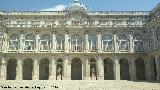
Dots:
pixel 52 78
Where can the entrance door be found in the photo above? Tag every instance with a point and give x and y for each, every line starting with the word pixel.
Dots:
pixel 76 69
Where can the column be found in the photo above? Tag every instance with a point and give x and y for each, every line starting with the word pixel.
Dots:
pixel 67 69
pixel 66 44
pixel 37 41
pixel 86 42
pixel 53 41
pixel 21 41
pixel 5 41
pixel 35 69
pixel 87 70
pixel 132 70
pixel 99 42
pixel 117 69
pixel 148 74
pixel 19 70
pixel 100 69
pixel 3 69
pixel 131 42
pixel 52 69
pixel 115 42
pixel 157 60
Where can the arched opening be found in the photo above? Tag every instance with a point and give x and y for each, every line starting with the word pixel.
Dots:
pixel 93 69
pixel 140 69
pixel 60 42
pixel 14 42
pixel 11 69
pixel 124 69
pixel 153 68
pixel 59 69
pixel 76 69
pixel 108 69
pixel 76 43
pixel 107 42
pixel 45 42
pixel 44 69
pixel 27 69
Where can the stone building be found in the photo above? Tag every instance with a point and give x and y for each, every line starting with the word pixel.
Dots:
pixel 78 44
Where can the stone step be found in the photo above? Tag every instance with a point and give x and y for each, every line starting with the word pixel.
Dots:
pixel 78 85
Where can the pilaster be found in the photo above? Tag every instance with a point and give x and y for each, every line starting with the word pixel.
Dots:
pixel 131 42
pixel 132 70
pixel 53 41
pixel 117 69
pixel 19 70
pixel 66 44
pixel 115 42
pixel 37 41
pixel 67 69
pixel 52 69
pixel 21 41
pixel 87 70
pixel 36 69
pixel 3 69
pixel 99 42
pixel 86 42
pixel 100 69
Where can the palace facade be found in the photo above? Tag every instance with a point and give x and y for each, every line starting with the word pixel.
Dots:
pixel 78 44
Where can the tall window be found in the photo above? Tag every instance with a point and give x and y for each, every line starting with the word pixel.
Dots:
pixel 138 43
pixel 14 42
pixel 45 42
pixel 122 41
pixel 92 42
pixel 29 42
pixel 76 42
pixel 60 42
pixel 107 42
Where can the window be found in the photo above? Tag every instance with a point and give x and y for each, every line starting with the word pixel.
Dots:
pixel 107 42
pixel 138 43
pixel 35 24
pixel 92 42
pixel 45 42
pixel 60 42
pixel 29 42
pixel 14 42
pixel 76 42
pixel 122 42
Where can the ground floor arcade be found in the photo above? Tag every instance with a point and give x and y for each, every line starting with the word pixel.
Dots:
pixel 80 67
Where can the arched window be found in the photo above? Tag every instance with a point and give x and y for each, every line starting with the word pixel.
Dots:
pixel 122 41
pixel 138 43
pixel 92 42
pixel 76 43
pixel 60 42
pixel 107 42
pixel 45 42
pixel 29 42
pixel 14 42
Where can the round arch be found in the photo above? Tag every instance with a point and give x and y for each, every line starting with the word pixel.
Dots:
pixel 108 69
pixel 76 69
pixel 11 69
pixel 140 69
pixel 124 69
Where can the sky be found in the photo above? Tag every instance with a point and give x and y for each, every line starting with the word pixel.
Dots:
pixel 93 5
